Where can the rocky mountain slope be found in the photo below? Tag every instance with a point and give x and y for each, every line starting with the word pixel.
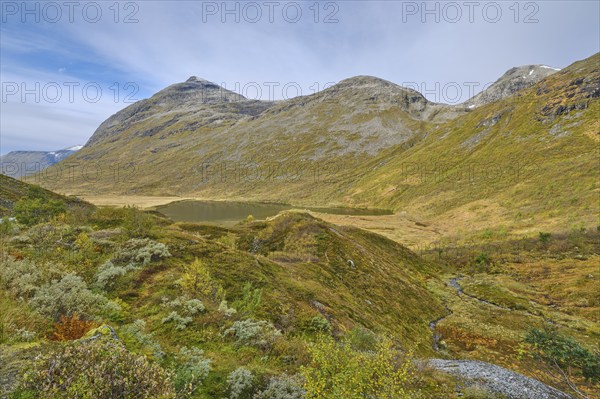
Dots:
pixel 363 142
pixel 23 163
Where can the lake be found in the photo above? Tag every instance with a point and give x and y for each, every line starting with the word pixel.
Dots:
pixel 229 213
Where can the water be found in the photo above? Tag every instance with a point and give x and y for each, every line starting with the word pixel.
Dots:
pixel 229 213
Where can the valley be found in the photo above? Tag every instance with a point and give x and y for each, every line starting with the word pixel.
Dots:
pixel 322 247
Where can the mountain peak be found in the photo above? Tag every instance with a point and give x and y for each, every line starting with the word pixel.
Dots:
pixel 196 79
pixel 512 81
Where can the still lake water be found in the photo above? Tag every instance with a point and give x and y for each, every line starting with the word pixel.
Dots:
pixel 229 213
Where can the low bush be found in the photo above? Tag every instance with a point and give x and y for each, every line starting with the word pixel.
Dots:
pixel 240 383
pixel 283 387
pixel 67 296
pixel 70 328
pixel 179 321
pixel 191 371
pixel 261 334
pixel 99 369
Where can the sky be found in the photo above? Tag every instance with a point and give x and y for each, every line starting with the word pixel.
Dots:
pixel 66 66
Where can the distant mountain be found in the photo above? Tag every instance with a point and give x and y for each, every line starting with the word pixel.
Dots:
pixel 528 141
pixel 24 163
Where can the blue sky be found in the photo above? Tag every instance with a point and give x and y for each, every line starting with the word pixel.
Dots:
pixel 56 56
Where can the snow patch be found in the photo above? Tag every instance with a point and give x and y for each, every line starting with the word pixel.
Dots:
pixel 549 67
pixel 75 148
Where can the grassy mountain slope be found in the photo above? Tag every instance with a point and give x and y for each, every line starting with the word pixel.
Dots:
pixel 530 157
pixel 12 190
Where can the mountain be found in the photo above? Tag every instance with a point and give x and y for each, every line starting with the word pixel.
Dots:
pixel 514 80
pixel 24 163
pixel 364 142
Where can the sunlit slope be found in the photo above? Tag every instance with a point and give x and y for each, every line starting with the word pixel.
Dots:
pixel 532 156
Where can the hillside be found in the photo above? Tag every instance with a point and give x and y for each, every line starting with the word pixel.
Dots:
pixel 12 190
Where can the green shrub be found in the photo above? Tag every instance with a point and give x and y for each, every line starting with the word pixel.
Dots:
pixel 134 335
pixel 545 237
pixel 190 307
pixel 7 227
pixel 261 334
pixel 37 208
pixel 135 254
pixel 191 371
pixel 98 369
pixel 283 387
pixel 564 352
pixel 250 302
pixel 320 324
pixel 241 383
pixel 362 339
pixel 137 223
pixel 338 371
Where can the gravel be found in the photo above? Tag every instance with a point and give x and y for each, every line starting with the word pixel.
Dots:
pixel 498 379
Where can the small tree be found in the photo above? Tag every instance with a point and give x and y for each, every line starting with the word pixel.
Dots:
pixel 197 279
pixel 564 357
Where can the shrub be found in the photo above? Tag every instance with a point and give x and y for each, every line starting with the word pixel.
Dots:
pixel 241 383
pixel 283 387
pixel 362 339
pixel 142 251
pixel 37 208
pixel 563 352
pixel 198 280
pixel 7 227
pixel 135 334
pixel 338 371
pixel 190 307
pixel 135 254
pixel 98 369
pixel 180 322
pixel 21 278
pixel 70 328
pixel 137 223
pixel 545 237
pixel 191 371
pixel 225 309
pixel 261 334
pixel 250 302
pixel 193 307
pixel 108 274
pixel 67 296
pixel 320 324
